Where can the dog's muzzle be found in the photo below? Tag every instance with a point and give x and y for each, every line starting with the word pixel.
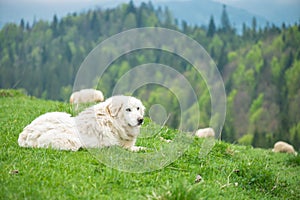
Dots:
pixel 140 121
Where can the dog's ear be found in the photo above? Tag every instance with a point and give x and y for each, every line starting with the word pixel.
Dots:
pixel 143 109
pixel 113 108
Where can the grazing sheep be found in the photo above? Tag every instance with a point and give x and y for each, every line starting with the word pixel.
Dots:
pixel 165 140
pixel 284 147
pixel 205 132
pixel 86 96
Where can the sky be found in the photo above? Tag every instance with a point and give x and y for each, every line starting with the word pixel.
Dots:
pixel 15 10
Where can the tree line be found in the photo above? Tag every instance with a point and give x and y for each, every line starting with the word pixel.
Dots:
pixel 260 67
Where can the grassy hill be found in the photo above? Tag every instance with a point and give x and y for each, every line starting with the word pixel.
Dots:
pixel 228 171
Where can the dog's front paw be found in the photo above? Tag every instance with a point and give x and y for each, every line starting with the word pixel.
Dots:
pixel 136 148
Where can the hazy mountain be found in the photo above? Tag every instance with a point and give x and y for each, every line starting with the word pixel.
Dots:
pixel 192 11
pixel 275 11
pixel 199 12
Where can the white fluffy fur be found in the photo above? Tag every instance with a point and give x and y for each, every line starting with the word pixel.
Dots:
pixel 205 132
pixel 86 96
pixel 284 147
pixel 113 122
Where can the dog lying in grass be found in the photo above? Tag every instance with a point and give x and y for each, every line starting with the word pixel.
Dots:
pixel 116 121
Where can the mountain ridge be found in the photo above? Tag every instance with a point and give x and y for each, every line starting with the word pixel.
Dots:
pixel 182 10
pixel 237 16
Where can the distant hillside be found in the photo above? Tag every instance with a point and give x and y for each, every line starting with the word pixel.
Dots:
pixel 195 12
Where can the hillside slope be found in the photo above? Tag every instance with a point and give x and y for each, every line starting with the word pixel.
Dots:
pixel 228 171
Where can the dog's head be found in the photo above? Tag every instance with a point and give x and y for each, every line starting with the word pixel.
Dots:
pixel 128 110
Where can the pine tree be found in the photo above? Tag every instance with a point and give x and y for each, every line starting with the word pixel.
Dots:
pixel 254 28
pixel 254 25
pixel 131 8
pixel 27 26
pixel 259 139
pixel 185 26
pixel 94 21
pixel 225 23
pixel 168 18
pixel 296 138
pixel 54 26
pixel 22 24
pixel 211 27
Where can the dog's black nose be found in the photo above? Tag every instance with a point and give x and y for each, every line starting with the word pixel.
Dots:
pixel 140 121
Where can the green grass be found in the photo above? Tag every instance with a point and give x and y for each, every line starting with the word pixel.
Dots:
pixel 228 171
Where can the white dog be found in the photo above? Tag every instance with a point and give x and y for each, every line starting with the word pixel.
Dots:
pixel 116 121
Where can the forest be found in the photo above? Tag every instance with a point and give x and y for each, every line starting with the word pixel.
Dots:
pixel 260 67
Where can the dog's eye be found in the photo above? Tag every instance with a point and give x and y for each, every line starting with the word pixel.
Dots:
pixel 128 109
pixel 138 108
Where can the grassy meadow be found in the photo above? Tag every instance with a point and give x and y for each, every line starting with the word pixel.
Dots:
pixel 228 172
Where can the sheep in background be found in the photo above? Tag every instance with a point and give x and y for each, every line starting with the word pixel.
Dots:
pixel 86 96
pixel 284 147
pixel 205 132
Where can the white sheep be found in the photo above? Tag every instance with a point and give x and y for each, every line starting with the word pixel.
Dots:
pixel 205 132
pixel 86 96
pixel 165 140
pixel 284 147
